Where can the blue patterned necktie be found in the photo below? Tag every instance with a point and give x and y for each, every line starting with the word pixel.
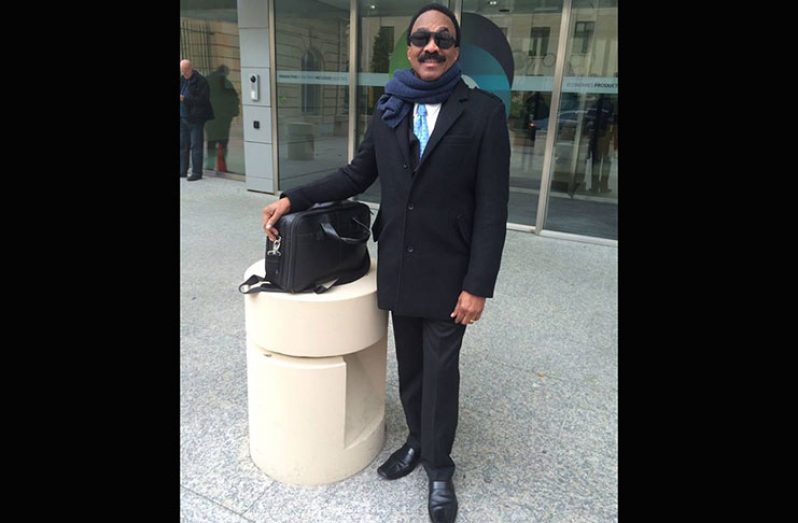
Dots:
pixel 420 129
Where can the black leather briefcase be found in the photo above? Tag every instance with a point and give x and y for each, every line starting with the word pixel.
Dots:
pixel 317 248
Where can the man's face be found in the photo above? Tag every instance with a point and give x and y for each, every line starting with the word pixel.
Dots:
pixel 430 61
pixel 186 70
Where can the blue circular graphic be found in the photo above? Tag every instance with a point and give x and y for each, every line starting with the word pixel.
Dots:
pixel 486 72
pixel 486 56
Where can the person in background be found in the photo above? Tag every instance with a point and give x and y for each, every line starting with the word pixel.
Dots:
pixel 195 110
pixel 535 110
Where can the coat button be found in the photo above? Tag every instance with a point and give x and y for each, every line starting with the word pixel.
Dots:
pixel 409 249
pixel 411 207
pixel 404 166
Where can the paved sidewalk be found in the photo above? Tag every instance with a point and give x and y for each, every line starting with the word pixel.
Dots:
pixel 537 439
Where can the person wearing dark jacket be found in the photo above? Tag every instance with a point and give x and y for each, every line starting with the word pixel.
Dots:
pixel 441 153
pixel 195 110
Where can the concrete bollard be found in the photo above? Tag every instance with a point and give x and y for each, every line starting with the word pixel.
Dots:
pixel 316 380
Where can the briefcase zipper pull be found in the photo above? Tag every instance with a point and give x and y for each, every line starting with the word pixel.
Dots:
pixel 275 250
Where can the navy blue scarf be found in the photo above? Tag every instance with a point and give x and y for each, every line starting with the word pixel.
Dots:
pixel 405 89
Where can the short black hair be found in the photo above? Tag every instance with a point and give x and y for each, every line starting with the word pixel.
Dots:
pixel 437 7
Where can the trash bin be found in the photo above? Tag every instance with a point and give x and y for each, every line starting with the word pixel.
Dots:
pixel 316 380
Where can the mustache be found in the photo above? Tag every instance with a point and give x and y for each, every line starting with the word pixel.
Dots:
pixel 435 57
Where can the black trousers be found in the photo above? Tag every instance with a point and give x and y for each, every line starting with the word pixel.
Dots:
pixel 428 357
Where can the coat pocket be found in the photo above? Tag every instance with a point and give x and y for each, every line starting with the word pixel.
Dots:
pixel 464 227
pixel 457 139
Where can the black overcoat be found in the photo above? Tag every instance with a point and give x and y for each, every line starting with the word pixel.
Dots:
pixel 441 226
pixel 198 101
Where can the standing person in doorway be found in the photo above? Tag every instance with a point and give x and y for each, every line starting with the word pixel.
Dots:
pixel 535 109
pixel 534 113
pixel 441 153
pixel 225 102
pixel 195 110
pixel 600 126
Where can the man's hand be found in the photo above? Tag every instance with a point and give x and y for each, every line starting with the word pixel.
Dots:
pixel 469 308
pixel 181 97
pixel 272 214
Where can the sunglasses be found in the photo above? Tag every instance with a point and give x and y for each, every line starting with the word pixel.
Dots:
pixel 442 38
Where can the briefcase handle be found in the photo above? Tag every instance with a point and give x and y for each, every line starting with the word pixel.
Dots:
pixel 256 283
pixel 330 231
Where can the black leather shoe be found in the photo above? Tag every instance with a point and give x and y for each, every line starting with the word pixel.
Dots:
pixel 442 502
pixel 194 177
pixel 400 463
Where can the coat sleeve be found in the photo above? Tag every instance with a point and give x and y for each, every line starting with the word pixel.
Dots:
pixel 490 213
pixel 347 181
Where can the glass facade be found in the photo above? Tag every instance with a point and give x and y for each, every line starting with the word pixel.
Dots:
pixel 512 48
pixel 584 185
pixel 209 38
pixel 312 53
pixel 531 28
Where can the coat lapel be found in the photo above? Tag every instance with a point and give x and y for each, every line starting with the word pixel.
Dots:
pixel 450 112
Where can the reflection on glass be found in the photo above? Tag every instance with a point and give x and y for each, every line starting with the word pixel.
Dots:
pixel 584 185
pixel 209 38
pixel 532 28
pixel 312 88
pixel 226 105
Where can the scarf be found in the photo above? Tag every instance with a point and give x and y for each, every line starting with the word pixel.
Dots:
pixel 405 89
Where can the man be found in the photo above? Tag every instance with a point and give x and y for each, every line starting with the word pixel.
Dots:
pixel 195 110
pixel 441 152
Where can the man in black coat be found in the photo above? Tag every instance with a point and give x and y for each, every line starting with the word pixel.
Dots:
pixel 195 110
pixel 441 153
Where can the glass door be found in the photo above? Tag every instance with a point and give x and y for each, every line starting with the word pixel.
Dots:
pixel 584 184
pixel 532 28
pixel 312 55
